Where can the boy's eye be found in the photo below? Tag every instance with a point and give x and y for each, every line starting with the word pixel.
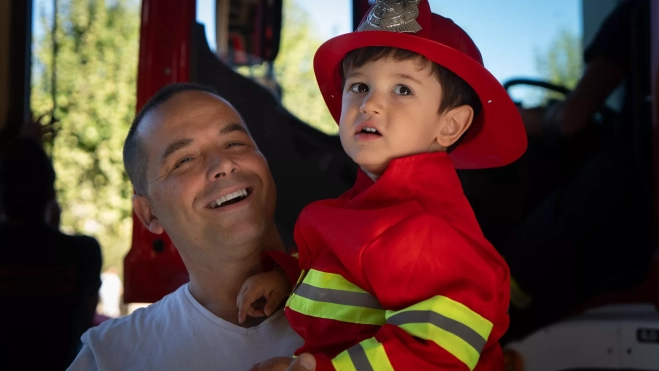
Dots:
pixel 402 90
pixel 359 88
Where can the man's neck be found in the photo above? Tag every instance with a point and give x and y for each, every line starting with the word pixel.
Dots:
pixel 217 289
pixel 216 286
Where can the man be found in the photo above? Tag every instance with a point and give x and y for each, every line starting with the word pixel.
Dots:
pixel 49 281
pixel 590 231
pixel 199 176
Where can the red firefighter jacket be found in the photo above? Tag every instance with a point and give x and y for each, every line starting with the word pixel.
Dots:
pixel 396 275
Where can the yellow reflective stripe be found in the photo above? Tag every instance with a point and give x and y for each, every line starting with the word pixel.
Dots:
pixel 338 312
pixel 376 355
pixel 453 344
pixel 369 355
pixel 354 299
pixel 453 310
pixel 299 280
pixel 342 362
pixel 451 325
pixel 319 294
pixel 330 281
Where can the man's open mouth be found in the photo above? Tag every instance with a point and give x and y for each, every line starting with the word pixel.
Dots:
pixel 367 130
pixel 230 199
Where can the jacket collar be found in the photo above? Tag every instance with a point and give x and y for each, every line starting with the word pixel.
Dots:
pixel 421 176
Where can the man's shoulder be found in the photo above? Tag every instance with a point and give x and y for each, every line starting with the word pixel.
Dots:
pixel 194 340
pixel 43 237
pixel 142 323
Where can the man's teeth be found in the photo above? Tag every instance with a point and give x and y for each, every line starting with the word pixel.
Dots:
pixel 229 197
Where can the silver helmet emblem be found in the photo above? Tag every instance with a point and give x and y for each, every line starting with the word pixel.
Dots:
pixel 392 15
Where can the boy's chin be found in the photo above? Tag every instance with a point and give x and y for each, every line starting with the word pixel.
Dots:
pixel 371 162
pixel 373 170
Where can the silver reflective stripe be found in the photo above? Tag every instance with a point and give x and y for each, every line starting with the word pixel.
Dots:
pixel 356 299
pixel 359 359
pixel 458 329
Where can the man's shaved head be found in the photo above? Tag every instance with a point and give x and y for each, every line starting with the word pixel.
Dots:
pixel 134 152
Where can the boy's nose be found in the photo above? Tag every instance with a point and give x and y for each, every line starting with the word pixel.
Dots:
pixel 372 104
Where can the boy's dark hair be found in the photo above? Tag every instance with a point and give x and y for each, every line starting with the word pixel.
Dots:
pixel 134 152
pixel 455 91
pixel 27 180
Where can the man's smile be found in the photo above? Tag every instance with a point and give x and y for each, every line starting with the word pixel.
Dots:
pixel 230 199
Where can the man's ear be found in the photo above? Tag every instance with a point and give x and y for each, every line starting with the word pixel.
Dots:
pixel 453 124
pixel 144 212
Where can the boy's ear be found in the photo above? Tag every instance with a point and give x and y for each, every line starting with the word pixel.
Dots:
pixel 144 212
pixel 453 124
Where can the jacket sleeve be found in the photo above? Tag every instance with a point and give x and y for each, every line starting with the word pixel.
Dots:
pixel 288 262
pixel 446 299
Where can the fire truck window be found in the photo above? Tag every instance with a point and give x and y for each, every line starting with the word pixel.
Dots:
pixel 305 26
pixel 518 39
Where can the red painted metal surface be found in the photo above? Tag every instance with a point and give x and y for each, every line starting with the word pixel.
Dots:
pixel 654 54
pixel 153 268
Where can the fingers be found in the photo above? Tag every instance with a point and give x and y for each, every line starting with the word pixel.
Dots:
pixel 269 288
pixel 273 300
pixel 38 120
pixel 305 362
pixel 248 295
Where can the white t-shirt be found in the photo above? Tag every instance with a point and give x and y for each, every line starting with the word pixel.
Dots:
pixel 178 333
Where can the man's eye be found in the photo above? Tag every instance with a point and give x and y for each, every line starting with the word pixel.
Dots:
pixel 359 88
pixel 402 90
pixel 234 144
pixel 183 161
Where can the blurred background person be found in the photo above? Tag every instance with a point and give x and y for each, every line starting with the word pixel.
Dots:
pixel 586 229
pixel 49 281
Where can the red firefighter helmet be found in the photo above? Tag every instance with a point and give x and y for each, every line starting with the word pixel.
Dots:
pixel 496 137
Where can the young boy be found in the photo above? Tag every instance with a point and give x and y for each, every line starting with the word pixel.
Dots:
pixel 396 274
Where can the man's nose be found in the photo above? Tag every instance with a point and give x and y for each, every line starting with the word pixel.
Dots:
pixel 221 166
pixel 373 103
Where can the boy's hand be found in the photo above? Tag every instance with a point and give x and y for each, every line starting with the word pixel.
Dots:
pixel 273 286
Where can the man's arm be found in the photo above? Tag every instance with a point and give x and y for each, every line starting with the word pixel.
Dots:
pixel 608 60
pixel 575 113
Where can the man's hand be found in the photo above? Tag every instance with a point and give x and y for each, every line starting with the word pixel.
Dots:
pixel 36 129
pixel 273 364
pixel 273 286
pixel 568 117
pixel 305 362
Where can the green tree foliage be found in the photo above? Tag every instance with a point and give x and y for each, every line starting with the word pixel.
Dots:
pixel 562 63
pixel 96 86
pixel 95 81
pixel 293 70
